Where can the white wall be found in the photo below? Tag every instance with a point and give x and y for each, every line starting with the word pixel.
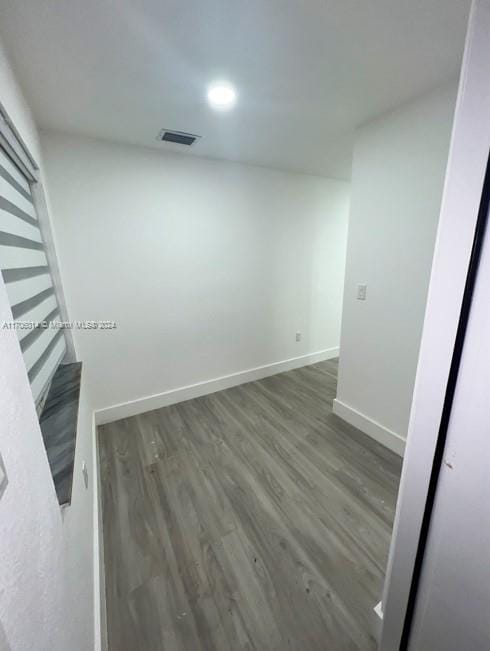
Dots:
pixel 209 268
pixel 397 179
pixel 46 556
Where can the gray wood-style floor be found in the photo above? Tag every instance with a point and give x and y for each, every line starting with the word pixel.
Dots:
pixel 252 518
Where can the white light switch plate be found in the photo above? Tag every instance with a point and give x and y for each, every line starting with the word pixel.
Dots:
pixel 361 292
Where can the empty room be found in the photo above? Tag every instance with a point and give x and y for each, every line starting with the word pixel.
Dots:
pixel 240 247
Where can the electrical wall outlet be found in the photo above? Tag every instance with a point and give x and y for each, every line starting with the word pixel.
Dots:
pixel 298 336
pixel 361 292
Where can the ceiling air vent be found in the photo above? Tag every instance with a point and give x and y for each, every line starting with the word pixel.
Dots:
pixel 178 137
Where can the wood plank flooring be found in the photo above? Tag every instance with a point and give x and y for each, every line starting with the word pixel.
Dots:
pixel 252 518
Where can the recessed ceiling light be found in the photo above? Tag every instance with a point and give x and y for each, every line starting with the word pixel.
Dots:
pixel 221 95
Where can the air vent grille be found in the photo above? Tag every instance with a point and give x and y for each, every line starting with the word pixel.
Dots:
pixel 178 137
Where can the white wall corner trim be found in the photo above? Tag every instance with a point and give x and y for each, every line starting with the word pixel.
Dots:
pixel 148 403
pixel 97 542
pixel 375 430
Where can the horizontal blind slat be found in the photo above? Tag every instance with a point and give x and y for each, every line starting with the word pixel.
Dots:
pixel 46 353
pixel 14 275
pixel 14 171
pixel 11 224
pixel 18 242
pixel 24 289
pixel 38 314
pixel 12 194
pixel 34 353
pixel 5 174
pixel 35 333
pixel 13 258
pixel 48 368
pixel 7 205
pixel 20 309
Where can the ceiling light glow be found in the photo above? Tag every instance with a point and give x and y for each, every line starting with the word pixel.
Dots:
pixel 221 96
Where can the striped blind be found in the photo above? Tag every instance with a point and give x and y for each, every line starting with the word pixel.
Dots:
pixel 27 277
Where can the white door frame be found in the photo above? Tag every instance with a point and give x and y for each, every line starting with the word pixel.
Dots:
pixel 468 156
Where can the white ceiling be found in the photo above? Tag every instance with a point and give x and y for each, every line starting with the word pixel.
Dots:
pixel 307 71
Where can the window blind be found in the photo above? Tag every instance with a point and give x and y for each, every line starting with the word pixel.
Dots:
pixel 27 277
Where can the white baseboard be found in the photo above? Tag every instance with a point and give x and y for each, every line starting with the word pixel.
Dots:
pixel 375 430
pixel 140 405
